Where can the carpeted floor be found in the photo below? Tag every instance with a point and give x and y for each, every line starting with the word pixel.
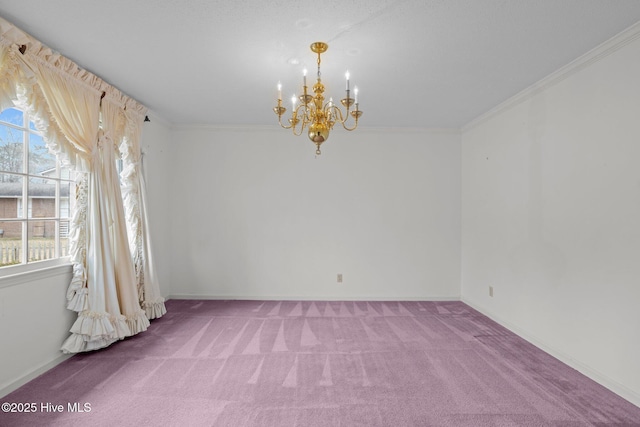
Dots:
pixel 290 363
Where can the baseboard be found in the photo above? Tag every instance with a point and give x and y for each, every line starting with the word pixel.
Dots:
pixel 6 389
pixel 586 370
pixel 312 298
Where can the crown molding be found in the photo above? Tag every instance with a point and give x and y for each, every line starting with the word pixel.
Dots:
pixel 276 128
pixel 227 128
pixel 601 51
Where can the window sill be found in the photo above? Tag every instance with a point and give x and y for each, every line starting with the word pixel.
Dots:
pixel 15 275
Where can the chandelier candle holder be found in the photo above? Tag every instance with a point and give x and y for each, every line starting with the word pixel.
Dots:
pixel 313 113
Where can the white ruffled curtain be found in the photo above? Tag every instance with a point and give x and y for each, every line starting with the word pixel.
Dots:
pixel 67 103
pixel 136 207
pixel 10 74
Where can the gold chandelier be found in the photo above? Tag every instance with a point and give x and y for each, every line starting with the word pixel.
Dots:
pixel 313 113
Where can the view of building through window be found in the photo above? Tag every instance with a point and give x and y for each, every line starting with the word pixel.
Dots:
pixel 36 194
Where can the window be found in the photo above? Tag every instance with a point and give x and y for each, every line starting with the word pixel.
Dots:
pixel 36 195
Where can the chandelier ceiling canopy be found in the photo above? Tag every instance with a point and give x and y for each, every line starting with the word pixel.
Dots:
pixel 312 113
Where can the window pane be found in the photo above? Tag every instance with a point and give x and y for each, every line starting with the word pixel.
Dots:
pixel 13 116
pixel 41 236
pixel 66 199
pixel 42 198
pixel 8 178
pixel 11 149
pixel 66 173
pixel 10 230
pixel 41 161
pixel 64 238
pixel 10 196
pixel 31 225
pixel 10 243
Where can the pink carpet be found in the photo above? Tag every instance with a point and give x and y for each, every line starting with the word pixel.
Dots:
pixel 290 363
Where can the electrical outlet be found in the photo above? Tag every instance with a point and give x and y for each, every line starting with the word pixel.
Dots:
pixel 491 291
pixel 339 277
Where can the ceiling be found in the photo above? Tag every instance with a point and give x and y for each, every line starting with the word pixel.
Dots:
pixel 417 63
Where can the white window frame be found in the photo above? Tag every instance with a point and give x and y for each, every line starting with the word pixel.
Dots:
pixel 24 217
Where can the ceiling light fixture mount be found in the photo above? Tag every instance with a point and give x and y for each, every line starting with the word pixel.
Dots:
pixel 313 113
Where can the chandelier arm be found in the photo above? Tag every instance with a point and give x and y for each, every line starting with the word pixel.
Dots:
pixel 299 132
pixel 309 117
pixel 339 115
pixel 297 118
pixel 283 126
pixel 348 128
pixel 304 116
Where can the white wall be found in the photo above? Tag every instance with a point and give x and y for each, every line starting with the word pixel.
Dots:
pixel 258 216
pixel 551 216
pixel 156 147
pixel 34 322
